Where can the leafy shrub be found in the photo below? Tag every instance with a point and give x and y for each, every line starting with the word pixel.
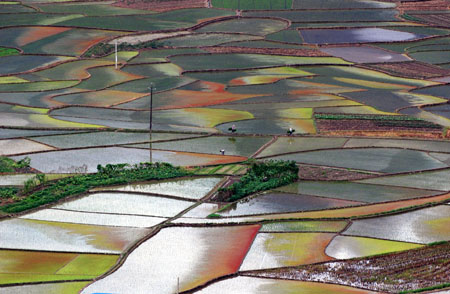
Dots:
pixel 7 165
pixel 102 49
pixel 262 176
pixel 8 192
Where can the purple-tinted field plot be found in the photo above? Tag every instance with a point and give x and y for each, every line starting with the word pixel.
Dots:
pixel 364 54
pixel 363 35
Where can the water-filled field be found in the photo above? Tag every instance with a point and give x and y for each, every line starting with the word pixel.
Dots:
pixel 97 97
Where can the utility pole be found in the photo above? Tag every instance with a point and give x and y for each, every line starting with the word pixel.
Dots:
pixel 115 45
pixel 151 118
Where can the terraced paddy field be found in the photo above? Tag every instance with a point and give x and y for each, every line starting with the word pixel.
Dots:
pixel 224 146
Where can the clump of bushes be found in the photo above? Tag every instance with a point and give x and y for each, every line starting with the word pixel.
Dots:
pixel 8 192
pixel 260 177
pixel 102 49
pixel 7 165
pixel 106 175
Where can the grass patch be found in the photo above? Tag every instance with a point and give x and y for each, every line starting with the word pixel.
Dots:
pixel 441 286
pixel 8 51
pixel 108 175
pixel 260 177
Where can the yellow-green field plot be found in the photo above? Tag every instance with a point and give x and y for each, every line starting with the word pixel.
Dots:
pixel 38 266
pixel 271 250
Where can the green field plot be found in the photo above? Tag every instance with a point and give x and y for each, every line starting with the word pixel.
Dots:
pixel 14 7
pixel 206 39
pixel 238 61
pixel 343 247
pixel 193 188
pixel 8 51
pixel 242 146
pixel 254 285
pixel 162 55
pixel 356 191
pixel 251 77
pixel 20 133
pixel 421 226
pixel 105 138
pixel 432 57
pixel 439 91
pixel 50 288
pixel 30 19
pixel 103 77
pixel 36 266
pixel 36 99
pixel 339 4
pixel 161 83
pixel 363 77
pixel 100 219
pixel 371 159
pixel 37 86
pixel 392 100
pixel 404 47
pixel 276 202
pixel 38 120
pixel 247 26
pixel 73 70
pixel 66 237
pixel 22 63
pixel 430 47
pixel 98 98
pixel 169 254
pixel 287 145
pixel 330 15
pixel 89 9
pixel 437 180
pixel 304 226
pixel 253 5
pixel 286 36
pixel 270 250
pixel 159 21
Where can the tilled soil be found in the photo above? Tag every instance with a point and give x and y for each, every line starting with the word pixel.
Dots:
pixel 410 69
pixel 272 51
pixel 317 173
pixel 395 272
pixel 161 5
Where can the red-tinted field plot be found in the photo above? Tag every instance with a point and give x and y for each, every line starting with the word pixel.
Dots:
pixel 53 40
pixel 184 253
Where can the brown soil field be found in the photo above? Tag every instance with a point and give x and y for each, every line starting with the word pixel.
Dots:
pixel 413 269
pixel 161 5
pixel 424 5
pixel 410 69
pixel 316 173
pixel 372 125
pixel 271 51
